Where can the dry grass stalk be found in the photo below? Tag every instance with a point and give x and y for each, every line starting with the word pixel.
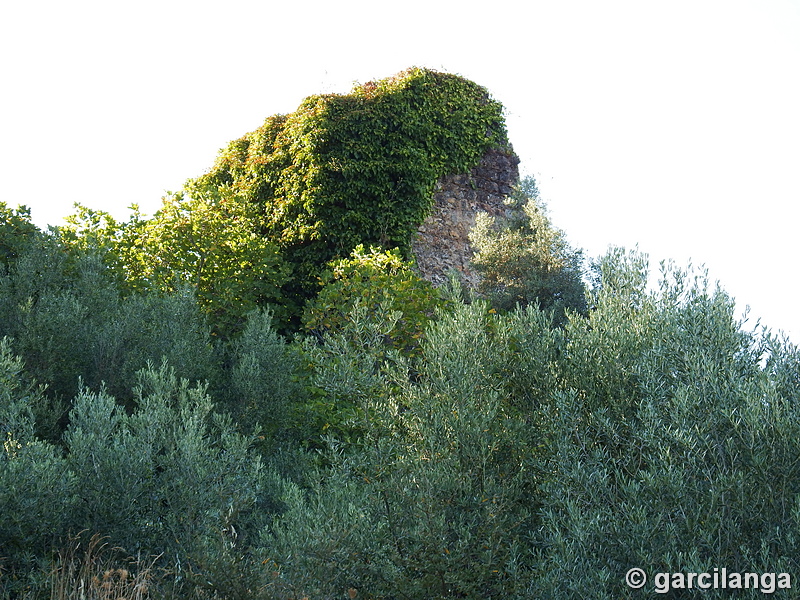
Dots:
pixel 92 572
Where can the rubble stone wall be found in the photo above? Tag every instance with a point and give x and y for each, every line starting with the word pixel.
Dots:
pixel 442 241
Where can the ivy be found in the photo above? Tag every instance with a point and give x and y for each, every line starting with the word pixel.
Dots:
pixel 360 168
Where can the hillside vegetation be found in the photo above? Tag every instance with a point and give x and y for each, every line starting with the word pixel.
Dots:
pixel 303 189
pixel 252 394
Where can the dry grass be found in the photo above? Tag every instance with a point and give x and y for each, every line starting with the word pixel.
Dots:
pixel 91 571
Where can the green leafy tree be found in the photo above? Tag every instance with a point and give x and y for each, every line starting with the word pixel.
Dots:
pixel 263 387
pixel 374 278
pixel 521 458
pixel 372 308
pixel 210 242
pixel 98 233
pixel 428 501
pixel 201 239
pixel 30 261
pixel 344 368
pixel 523 259
pixel 86 330
pixel 668 441
pixel 16 232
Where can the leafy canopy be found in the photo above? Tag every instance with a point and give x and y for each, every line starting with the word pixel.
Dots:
pixel 16 232
pixel 374 279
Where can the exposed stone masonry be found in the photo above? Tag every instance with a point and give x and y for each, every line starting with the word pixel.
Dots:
pixel 442 241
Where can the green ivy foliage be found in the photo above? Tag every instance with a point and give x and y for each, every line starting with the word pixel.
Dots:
pixel 302 190
pixel 344 170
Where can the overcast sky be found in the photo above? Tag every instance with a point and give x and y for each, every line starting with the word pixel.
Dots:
pixel 671 125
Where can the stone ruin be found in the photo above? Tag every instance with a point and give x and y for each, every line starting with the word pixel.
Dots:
pixel 442 241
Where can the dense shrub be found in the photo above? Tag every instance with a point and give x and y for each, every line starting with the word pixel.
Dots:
pixel 520 459
pixel 263 388
pixel 84 330
pixel 37 489
pixel 344 369
pixel 172 478
pixel 38 270
pixel 523 259
pixel 510 457
pixel 373 278
pixel 668 443
pixel 427 502
pixel 372 309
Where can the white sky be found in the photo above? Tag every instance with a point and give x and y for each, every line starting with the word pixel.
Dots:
pixel 674 125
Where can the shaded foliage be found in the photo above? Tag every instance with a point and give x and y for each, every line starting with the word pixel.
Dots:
pixel 82 328
pixel 511 457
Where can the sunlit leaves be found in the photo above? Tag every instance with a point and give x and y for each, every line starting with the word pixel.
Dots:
pixel 372 279
pixel 16 232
